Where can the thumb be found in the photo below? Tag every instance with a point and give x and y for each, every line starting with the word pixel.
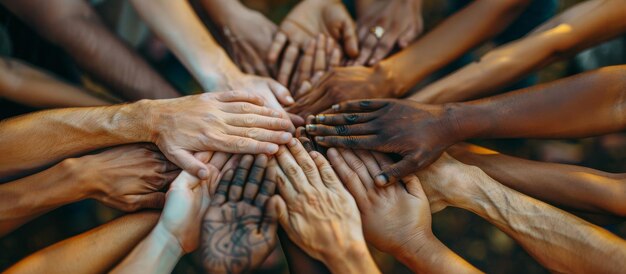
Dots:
pixel 151 200
pixel 391 173
pixel 414 186
pixel 272 214
pixel 277 209
pixel 350 40
pixel 186 161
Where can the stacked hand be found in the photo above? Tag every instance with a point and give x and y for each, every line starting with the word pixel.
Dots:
pixel 239 228
pixel 419 133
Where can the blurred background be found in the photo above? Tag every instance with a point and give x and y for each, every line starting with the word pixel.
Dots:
pixel 475 240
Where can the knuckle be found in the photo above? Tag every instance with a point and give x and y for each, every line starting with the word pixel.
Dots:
pixel 292 170
pixel 245 108
pixel 250 121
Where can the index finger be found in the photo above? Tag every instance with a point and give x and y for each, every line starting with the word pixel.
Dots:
pixel 279 42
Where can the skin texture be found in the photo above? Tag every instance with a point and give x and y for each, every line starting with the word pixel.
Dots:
pixel 176 23
pixel 249 34
pixel 239 229
pixel 95 251
pixel 75 27
pixel 317 213
pixel 233 122
pixel 396 75
pixel 308 19
pixel 582 26
pixel 594 106
pixel 31 86
pixel 127 178
pixel 319 56
pixel 561 242
pixel 178 230
pixel 401 19
pixel 566 186
pixel 397 218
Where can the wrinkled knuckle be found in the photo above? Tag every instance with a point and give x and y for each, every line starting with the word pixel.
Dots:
pixel 245 108
pixel 241 144
pixel 250 121
pixel 292 170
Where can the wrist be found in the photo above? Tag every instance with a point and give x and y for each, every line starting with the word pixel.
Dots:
pixel 80 187
pixel 464 121
pixel 146 114
pixel 390 79
pixel 355 258
pixel 172 246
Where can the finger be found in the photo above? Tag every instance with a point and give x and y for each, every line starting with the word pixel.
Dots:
pixel 218 160
pixel 268 188
pixel 258 121
pixel 307 144
pixel 247 108
pixel 169 166
pixel 384 47
pixel 359 105
pixel 355 142
pixel 350 41
pixel 204 156
pixel 335 58
pixel 282 93
pixel 349 178
pixel 366 50
pixel 296 120
pixel 279 42
pixel 304 88
pixel 300 132
pixel 414 186
pixel 344 118
pixel 255 178
pixel 270 224
pixel 292 170
pixel 259 134
pixel 186 161
pixel 355 163
pixel 285 187
pixel 222 188
pixel 289 60
pixel 235 144
pixel 307 165
pixel 247 67
pixel 306 63
pixel 320 54
pixel 327 173
pixel 150 200
pixel 408 36
pixel 341 130
pixel 280 209
pixel 237 96
pixel 168 177
pixel 241 174
pixel 317 77
pixel 371 165
pixel 257 62
pixel 391 173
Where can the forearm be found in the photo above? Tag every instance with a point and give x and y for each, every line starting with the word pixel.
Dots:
pixel 219 10
pixel 75 27
pixel 561 37
pixel 561 242
pixel 95 251
pixel 479 21
pixel 45 137
pixel 584 105
pixel 568 186
pixel 27 85
pixel 429 255
pixel 157 253
pixel 55 187
pixel 355 259
pixel 181 29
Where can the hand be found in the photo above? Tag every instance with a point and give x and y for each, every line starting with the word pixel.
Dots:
pixel 308 19
pixel 248 33
pixel 234 122
pixel 319 56
pixel 392 215
pixel 401 21
pixel 317 213
pixel 127 177
pixel 342 84
pixel 239 228
pixel 419 133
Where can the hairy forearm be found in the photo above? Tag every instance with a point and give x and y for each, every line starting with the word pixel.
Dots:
pixel 24 84
pixel 75 27
pixel 568 186
pixel 560 241
pixel 479 21
pixel 561 37
pixel 157 253
pixel 181 29
pixel 45 137
pixel 55 187
pixel 95 251
pixel 584 105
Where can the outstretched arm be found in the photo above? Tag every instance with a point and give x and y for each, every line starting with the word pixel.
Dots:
pixel 572 187
pixel 584 25
pixel 31 86
pixel 75 27
pixel 95 251
pixel 558 240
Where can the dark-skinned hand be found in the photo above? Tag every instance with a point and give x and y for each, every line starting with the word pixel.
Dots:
pixel 342 84
pixel 239 228
pixel 418 132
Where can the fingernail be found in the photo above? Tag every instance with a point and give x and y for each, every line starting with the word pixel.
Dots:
pixel 290 100
pixel 276 114
pixel 203 174
pixel 382 179
pixel 310 128
pixel 313 154
pixel 335 107
pixel 285 137
pixel 293 142
pixel 320 118
pixel 272 148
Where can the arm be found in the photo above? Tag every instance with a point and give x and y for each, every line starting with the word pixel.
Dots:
pixel 94 251
pixel 75 27
pixel 221 121
pixel 582 26
pixel 558 240
pixel 573 187
pixel 30 86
